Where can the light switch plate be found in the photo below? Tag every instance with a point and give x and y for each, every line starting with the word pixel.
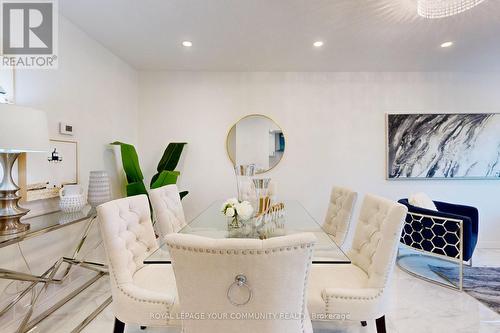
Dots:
pixel 66 129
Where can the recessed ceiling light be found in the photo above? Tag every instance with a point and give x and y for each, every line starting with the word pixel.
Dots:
pixel 187 43
pixel 318 43
pixel 447 44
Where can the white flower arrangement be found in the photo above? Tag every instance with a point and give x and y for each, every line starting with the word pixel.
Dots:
pixel 234 208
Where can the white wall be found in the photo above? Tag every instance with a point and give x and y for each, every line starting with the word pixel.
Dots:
pixel 96 92
pixel 334 126
pixel 92 89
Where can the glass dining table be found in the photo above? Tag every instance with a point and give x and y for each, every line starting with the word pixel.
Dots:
pixel 295 219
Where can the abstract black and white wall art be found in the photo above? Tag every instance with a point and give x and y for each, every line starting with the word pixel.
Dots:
pixel 443 146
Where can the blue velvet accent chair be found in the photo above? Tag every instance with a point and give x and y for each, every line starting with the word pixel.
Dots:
pixel 438 232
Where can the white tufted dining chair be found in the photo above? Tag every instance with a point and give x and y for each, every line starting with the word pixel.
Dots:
pixel 339 213
pixel 167 206
pixel 228 279
pixel 358 291
pixel 142 294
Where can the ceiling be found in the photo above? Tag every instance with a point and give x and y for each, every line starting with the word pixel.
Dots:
pixel 277 35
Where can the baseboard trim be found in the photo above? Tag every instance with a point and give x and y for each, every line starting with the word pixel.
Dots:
pixel 488 245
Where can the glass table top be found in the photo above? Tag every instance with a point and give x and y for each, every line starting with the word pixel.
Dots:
pixel 211 223
pixel 46 223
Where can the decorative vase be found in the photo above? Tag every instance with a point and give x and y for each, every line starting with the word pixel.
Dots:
pixel 71 217
pixel 71 198
pixel 99 188
pixel 244 184
pixel 262 193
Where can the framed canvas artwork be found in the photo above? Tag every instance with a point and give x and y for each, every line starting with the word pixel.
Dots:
pixel 443 146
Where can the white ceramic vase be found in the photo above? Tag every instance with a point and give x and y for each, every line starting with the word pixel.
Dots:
pixel 99 188
pixel 71 198
pixel 71 217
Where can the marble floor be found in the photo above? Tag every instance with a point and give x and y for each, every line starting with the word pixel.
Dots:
pixel 415 306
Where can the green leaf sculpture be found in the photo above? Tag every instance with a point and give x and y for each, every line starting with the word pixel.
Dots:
pixel 136 188
pixel 169 161
pixel 165 178
pixel 130 162
pixel 166 174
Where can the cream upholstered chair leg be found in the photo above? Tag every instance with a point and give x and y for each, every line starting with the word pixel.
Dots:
pixel 167 206
pixel 358 291
pixel 229 280
pixel 338 216
pixel 143 295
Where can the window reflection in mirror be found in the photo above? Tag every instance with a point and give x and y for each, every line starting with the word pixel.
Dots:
pixel 256 139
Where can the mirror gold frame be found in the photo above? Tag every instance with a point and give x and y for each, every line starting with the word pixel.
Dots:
pixel 248 116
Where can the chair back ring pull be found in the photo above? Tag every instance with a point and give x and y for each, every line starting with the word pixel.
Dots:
pixel 239 281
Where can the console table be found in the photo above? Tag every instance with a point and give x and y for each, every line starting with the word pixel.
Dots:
pixel 41 225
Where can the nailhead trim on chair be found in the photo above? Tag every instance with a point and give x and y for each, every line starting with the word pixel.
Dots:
pixel 308 268
pixel 130 296
pixel 236 251
pixel 260 252
pixel 129 247
pixel 329 297
pixel 358 249
pixel 381 291
pixel 133 297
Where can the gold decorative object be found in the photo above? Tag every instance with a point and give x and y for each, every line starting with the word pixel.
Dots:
pixel 264 203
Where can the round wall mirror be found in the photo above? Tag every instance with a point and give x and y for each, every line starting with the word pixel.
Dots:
pixel 256 139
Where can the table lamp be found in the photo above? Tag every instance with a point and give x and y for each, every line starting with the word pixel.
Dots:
pixel 22 130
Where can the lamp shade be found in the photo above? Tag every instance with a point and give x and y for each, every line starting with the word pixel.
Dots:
pixel 23 129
